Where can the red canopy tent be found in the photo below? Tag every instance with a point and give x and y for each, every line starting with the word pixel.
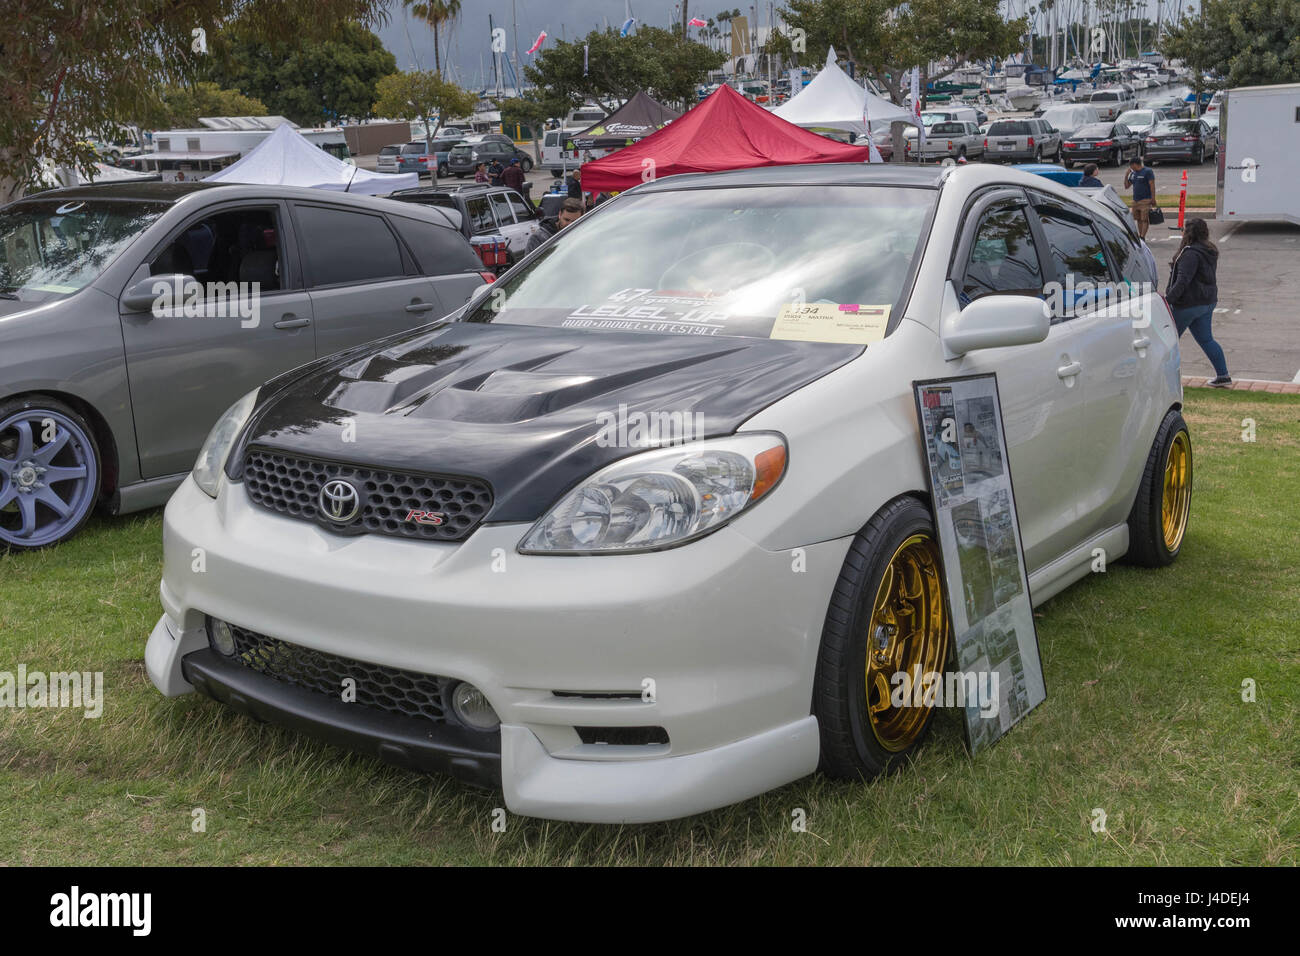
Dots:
pixel 725 131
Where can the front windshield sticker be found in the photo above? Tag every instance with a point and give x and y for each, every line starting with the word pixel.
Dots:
pixel 679 311
pixel 828 322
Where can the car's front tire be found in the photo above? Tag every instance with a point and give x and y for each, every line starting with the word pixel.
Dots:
pixel 49 473
pixel 526 164
pixel 887 616
pixel 1157 524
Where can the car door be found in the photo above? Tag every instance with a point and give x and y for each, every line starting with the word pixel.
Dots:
pixel 445 257
pixel 479 216
pixel 363 283
pixel 1126 343
pixel 1002 252
pixel 517 233
pixel 246 319
pixel 527 218
pixel 1111 352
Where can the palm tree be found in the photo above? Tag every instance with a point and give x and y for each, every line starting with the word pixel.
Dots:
pixel 435 13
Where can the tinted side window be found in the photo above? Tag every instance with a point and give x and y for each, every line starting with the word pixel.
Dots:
pixel 1125 255
pixel 1002 257
pixel 438 250
pixel 522 212
pixel 342 246
pixel 1077 254
pixel 480 216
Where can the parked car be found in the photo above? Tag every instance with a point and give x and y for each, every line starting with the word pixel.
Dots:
pixel 114 363
pixel 1068 117
pixel 1022 139
pixel 1141 122
pixel 482 210
pixel 462 159
pixel 1192 141
pixel 955 139
pixel 603 623
pixel 1104 143
pixel 1110 102
pixel 389 158
pixel 951 114
pixel 414 157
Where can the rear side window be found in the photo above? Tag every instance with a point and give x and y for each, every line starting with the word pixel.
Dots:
pixel 1104 98
pixel 1125 255
pixel 949 129
pixel 342 246
pixel 1077 254
pixel 438 250
pixel 1002 258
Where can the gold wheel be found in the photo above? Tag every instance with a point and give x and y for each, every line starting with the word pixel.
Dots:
pixel 908 632
pixel 1176 498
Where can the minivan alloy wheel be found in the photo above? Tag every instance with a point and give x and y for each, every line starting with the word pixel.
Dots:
pixel 49 474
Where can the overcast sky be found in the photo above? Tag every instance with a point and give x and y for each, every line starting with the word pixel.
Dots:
pixel 412 42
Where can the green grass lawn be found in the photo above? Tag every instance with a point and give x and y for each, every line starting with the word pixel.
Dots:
pixel 1144 720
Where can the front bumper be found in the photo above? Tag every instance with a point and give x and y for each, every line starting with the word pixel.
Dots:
pixel 726 631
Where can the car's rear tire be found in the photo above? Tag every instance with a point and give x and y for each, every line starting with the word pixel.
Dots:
pixel 1069 164
pixel 49 473
pixel 887 615
pixel 526 164
pixel 1157 525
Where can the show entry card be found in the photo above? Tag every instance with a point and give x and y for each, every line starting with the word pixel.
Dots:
pixel 983 557
pixel 828 322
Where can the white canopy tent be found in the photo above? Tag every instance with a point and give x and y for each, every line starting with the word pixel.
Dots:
pixel 833 101
pixel 285 158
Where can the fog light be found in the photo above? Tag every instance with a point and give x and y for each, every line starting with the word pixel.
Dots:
pixel 223 638
pixel 472 708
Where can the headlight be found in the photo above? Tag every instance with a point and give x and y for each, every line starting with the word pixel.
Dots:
pixel 212 456
pixel 661 498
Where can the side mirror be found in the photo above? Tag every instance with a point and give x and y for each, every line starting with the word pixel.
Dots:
pixel 996 321
pixel 162 291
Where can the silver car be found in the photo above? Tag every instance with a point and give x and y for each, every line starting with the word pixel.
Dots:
pixel 955 139
pixel 1024 140
pixel 132 315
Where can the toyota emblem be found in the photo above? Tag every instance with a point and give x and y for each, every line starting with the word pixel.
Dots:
pixel 339 501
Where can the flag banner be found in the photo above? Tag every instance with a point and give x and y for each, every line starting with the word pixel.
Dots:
pixel 586 53
pixel 916 106
pixel 740 36
pixel 537 45
pixel 696 22
pixel 627 26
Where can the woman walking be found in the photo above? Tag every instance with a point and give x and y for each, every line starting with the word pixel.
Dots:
pixel 1193 292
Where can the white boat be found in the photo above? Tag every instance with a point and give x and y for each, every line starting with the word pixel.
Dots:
pixel 1025 97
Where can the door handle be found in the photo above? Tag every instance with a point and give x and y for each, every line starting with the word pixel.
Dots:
pixel 1069 371
pixel 1141 343
pixel 292 322
pixel 419 307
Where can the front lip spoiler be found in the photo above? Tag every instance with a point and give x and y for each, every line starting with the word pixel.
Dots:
pixel 409 742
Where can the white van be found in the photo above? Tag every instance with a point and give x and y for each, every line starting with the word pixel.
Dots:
pixel 553 152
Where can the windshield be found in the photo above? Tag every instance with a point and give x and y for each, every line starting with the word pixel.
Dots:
pixel 789 262
pixel 948 129
pixel 1100 130
pixel 52 248
pixel 1178 128
pixel 1103 97
pixel 1009 128
pixel 929 119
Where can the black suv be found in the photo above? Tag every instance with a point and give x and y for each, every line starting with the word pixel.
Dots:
pixel 483 210
pixel 463 158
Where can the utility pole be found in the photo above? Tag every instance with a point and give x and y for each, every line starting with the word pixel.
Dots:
pixel 685 17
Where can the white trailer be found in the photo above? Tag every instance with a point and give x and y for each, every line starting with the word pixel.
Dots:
pixel 1259 154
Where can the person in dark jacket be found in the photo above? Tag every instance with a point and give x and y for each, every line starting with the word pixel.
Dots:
pixel 1193 292
pixel 574 184
pixel 569 212
pixel 495 169
pixel 513 176
pixel 1090 180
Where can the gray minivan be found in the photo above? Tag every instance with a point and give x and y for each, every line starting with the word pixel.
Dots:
pixel 132 315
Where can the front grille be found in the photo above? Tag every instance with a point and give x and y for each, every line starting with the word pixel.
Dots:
pixel 292 485
pixel 377 687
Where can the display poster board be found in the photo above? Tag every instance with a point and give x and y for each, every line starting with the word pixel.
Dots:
pixel 996 641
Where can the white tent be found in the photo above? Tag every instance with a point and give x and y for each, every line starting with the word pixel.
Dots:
pixel 833 101
pixel 286 158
